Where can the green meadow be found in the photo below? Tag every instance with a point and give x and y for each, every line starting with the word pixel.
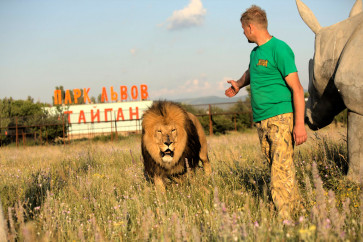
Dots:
pixel 96 191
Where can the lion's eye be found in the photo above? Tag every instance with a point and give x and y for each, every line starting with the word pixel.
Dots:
pixel 173 130
pixel 159 131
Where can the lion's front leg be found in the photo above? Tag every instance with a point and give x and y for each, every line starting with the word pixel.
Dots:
pixel 203 156
pixel 206 164
pixel 159 184
pixel 207 167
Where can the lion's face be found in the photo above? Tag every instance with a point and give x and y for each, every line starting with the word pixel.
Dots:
pixel 165 137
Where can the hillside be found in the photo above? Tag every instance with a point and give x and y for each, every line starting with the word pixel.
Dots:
pixel 209 100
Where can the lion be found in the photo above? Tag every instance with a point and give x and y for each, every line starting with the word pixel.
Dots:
pixel 173 141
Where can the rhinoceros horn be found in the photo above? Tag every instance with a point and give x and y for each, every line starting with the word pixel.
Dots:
pixel 356 9
pixel 308 16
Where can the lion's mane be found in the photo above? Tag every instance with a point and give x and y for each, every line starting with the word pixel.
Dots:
pixel 188 147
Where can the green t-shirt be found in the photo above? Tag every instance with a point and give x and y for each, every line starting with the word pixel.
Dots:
pixel 270 63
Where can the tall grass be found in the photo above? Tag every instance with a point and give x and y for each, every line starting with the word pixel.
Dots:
pixel 97 192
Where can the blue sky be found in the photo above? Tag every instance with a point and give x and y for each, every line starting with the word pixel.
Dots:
pixel 180 48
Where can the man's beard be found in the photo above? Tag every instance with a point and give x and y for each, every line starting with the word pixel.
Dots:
pixel 250 41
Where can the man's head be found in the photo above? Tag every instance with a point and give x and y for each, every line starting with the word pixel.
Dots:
pixel 255 15
pixel 252 20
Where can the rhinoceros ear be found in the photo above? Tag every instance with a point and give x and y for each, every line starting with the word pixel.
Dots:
pixel 308 16
pixel 356 9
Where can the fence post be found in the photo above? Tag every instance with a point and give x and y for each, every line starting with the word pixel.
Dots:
pixel 16 131
pixel 210 121
pixel 235 122
pixel 23 134
pixel 111 129
pixel 64 142
pixel 116 135
pixel 41 136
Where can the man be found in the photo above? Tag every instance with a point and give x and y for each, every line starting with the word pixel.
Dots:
pixel 278 106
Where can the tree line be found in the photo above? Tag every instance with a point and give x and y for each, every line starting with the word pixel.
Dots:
pixel 24 117
pixel 238 117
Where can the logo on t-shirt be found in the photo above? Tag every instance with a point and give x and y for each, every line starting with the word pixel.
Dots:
pixel 262 63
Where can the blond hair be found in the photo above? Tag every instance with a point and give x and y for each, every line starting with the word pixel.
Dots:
pixel 256 15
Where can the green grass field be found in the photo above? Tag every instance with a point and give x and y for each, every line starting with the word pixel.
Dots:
pixel 96 191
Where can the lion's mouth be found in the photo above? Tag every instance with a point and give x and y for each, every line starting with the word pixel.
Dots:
pixel 167 152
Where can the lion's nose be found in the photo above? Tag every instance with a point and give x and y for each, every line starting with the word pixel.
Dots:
pixel 168 143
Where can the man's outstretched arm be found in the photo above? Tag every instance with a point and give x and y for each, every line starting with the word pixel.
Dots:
pixel 238 85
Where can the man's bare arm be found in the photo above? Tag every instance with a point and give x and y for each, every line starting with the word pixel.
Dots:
pixel 299 131
pixel 238 85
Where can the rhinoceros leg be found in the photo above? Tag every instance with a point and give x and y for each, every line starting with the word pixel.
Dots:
pixel 355 147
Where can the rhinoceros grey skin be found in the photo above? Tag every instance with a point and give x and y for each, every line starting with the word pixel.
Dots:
pixel 335 79
pixel 321 109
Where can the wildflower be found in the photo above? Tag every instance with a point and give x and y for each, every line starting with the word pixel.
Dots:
pixel 256 224
pixel 98 175
pixel 224 209
pixel 301 219
pixel 287 222
pixel 308 231
pixel 118 223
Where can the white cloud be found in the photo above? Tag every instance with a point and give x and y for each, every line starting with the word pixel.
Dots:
pixel 191 15
pixel 133 51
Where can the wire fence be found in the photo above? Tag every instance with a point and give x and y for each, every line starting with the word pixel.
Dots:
pixel 36 130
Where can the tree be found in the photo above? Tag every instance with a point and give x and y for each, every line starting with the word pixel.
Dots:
pixel 243 114
pixel 25 116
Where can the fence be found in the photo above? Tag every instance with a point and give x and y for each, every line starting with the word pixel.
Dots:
pixel 64 129
pixel 19 131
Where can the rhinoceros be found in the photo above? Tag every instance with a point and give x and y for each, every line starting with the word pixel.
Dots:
pixel 335 79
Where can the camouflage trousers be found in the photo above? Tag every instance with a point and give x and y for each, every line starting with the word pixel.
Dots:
pixel 277 145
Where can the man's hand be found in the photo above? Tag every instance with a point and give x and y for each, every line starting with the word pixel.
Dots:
pixel 300 135
pixel 233 90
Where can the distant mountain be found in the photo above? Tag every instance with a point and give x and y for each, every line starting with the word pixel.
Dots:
pixel 209 100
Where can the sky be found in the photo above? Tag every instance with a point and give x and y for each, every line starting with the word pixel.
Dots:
pixel 179 49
